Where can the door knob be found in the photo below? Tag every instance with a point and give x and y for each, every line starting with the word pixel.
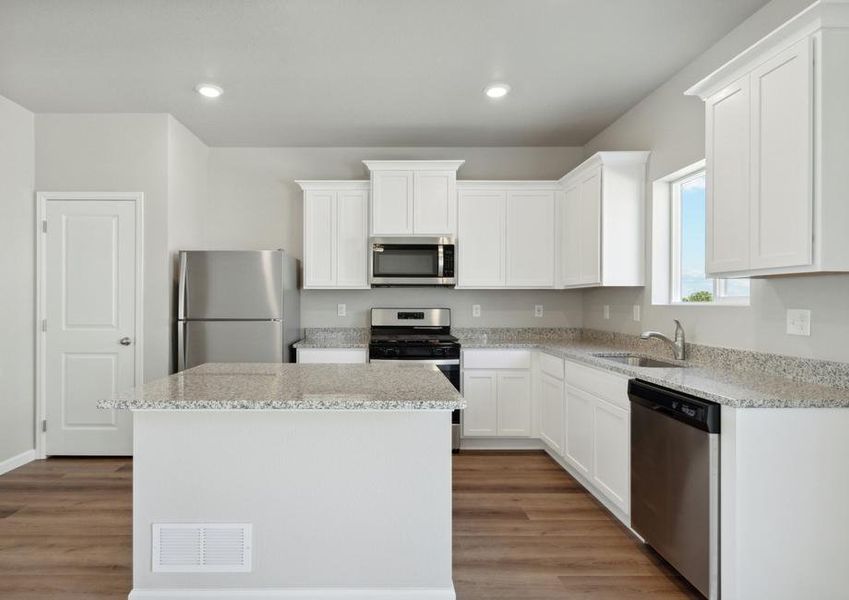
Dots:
pixel 125 341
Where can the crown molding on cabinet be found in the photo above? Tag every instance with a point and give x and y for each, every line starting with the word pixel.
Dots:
pixel 333 184
pixel 819 15
pixel 413 165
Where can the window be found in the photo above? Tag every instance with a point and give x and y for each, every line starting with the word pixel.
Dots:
pixel 679 224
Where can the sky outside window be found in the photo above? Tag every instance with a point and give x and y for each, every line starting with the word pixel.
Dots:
pixel 693 237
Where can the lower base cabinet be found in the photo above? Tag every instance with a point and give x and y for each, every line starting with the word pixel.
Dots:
pixel 498 403
pixel 551 421
pixel 612 453
pixel 580 415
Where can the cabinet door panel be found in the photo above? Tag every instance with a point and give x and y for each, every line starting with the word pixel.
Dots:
pixel 481 239
pixel 611 472
pixel 580 408
pixel 590 227
pixel 551 412
pixel 570 237
pixel 530 239
pixel 727 181
pixel 352 239
pixel 480 418
pixel 320 239
pixel 435 203
pixel 782 184
pixel 514 403
pixel 392 202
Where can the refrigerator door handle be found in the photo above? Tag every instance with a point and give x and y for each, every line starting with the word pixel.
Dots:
pixel 182 345
pixel 183 291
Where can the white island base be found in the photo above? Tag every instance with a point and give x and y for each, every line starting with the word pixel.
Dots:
pixel 342 504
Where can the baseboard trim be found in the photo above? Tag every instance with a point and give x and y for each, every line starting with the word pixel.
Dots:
pixel 298 594
pixel 17 461
pixel 501 444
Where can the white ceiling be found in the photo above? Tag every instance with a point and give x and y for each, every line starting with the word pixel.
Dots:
pixel 357 72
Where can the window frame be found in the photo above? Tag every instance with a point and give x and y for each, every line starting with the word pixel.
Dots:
pixel 667 197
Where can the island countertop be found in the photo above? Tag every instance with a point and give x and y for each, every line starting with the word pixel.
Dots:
pixel 267 386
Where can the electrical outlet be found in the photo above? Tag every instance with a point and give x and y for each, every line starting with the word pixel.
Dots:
pixel 476 310
pixel 538 310
pixel 636 312
pixel 606 311
pixel 341 310
pixel 798 321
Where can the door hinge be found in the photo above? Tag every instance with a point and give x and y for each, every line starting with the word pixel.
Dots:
pixel 44 425
pixel 44 226
pixel 44 324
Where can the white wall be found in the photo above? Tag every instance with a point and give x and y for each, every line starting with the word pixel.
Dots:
pixel 17 265
pixel 119 152
pixel 506 308
pixel 187 205
pixel 671 125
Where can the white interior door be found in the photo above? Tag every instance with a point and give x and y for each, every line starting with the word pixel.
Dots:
pixel 89 341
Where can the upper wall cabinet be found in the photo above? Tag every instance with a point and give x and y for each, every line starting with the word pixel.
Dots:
pixel 335 234
pixel 776 151
pixel 412 197
pixel 506 234
pixel 601 222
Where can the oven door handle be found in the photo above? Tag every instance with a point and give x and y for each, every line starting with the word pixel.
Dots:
pixel 416 361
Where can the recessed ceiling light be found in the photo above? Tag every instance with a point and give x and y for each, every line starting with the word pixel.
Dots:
pixel 497 90
pixel 208 90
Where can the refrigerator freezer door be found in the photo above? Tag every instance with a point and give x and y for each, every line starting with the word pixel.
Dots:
pixel 231 285
pixel 201 342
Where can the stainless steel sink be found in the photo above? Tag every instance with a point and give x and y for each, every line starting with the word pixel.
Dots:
pixel 634 360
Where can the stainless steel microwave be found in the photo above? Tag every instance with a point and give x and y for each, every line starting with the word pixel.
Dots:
pixel 411 261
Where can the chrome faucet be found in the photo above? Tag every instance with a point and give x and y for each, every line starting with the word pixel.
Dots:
pixel 677 344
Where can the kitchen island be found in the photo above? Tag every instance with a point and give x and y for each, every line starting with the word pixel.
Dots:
pixel 292 481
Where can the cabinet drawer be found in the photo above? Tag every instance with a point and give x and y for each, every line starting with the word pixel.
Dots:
pixel 608 386
pixel 496 359
pixel 332 355
pixel 551 365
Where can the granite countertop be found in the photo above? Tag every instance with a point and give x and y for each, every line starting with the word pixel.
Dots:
pixel 266 386
pixel 726 386
pixel 334 337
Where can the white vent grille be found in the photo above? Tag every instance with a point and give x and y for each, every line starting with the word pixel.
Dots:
pixel 202 547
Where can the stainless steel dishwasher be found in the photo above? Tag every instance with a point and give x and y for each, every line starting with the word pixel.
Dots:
pixel 675 480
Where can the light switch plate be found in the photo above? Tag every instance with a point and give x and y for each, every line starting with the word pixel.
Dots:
pixel 636 312
pixel 606 311
pixel 341 310
pixel 538 310
pixel 476 310
pixel 798 321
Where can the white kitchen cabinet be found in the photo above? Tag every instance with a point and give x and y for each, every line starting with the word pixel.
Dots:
pixel 551 404
pixel 776 151
pixel 497 389
pixel 727 179
pixel 579 445
pixel 514 403
pixel 530 238
pixel 335 234
pixel 410 198
pixel 601 222
pixel 332 355
pixel 392 202
pixel 480 417
pixel 611 452
pixel 480 241
pixel 506 234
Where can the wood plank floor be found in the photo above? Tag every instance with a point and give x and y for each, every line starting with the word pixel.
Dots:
pixel 523 529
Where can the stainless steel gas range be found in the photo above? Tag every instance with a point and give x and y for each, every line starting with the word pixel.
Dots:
pixel 418 336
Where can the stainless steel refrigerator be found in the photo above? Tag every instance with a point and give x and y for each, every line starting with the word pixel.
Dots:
pixel 236 306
